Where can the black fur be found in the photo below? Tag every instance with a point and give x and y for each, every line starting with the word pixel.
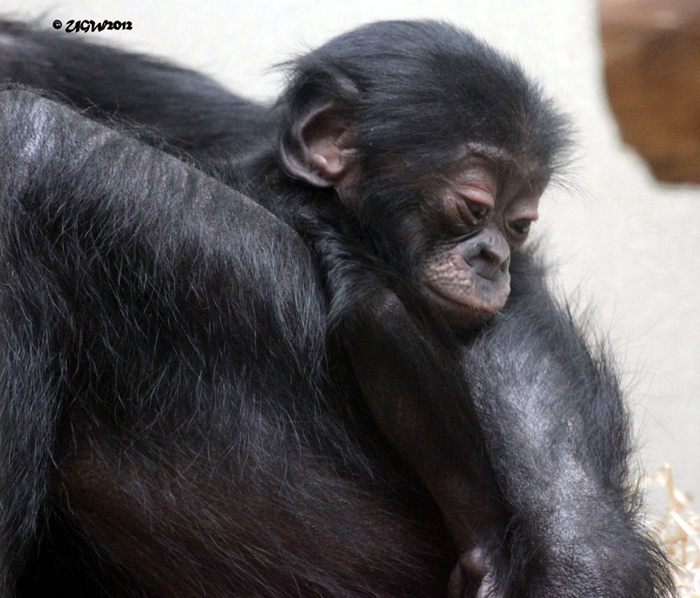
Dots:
pixel 180 415
pixel 554 419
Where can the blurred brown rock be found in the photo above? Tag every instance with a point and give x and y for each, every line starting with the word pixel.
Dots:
pixel 652 72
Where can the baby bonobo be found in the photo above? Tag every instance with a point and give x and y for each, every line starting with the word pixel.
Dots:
pixel 297 350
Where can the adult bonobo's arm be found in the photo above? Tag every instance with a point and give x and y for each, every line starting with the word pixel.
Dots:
pixel 558 436
pixel 183 108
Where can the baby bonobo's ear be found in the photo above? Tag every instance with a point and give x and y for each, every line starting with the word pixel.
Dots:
pixel 319 148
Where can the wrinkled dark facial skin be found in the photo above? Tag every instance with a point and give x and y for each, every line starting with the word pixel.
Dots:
pixel 483 214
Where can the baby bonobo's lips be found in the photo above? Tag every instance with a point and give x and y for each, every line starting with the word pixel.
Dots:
pixel 470 303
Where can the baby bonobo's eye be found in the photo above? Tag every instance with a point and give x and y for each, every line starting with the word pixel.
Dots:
pixel 478 210
pixel 520 228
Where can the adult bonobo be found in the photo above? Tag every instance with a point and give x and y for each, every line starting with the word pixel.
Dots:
pixel 251 351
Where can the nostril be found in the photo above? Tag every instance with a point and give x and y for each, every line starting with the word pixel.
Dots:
pixel 492 256
pixel 487 261
pixel 487 267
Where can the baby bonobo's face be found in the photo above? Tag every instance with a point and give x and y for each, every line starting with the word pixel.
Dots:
pixel 486 205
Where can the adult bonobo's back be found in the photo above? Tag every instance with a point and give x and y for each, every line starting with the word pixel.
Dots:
pixel 350 381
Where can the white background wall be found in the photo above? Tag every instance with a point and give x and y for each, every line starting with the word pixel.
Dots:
pixel 621 243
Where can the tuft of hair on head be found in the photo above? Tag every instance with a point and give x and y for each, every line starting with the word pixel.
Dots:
pixel 419 90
